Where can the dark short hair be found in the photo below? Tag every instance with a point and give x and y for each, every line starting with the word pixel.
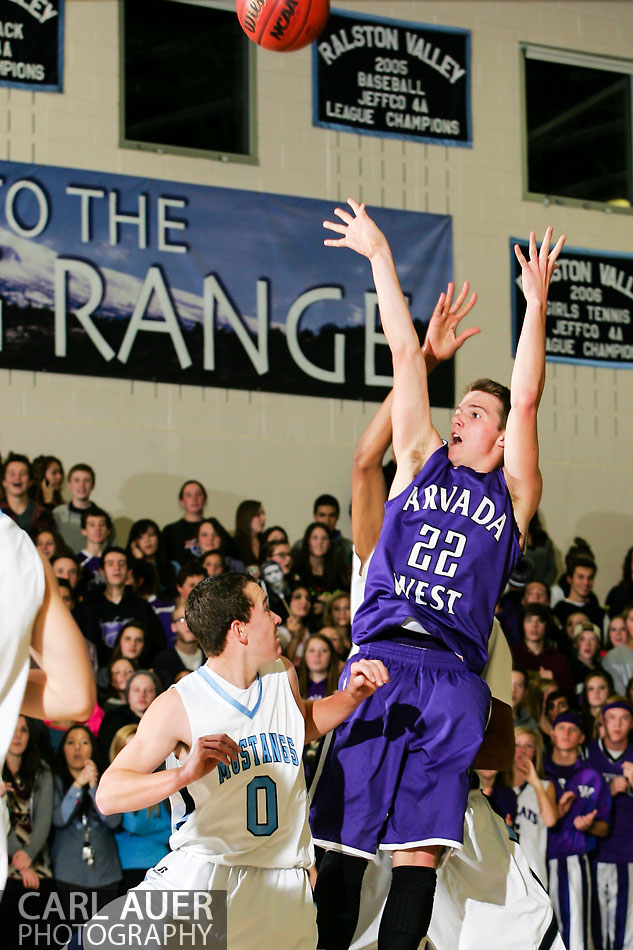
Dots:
pixel 269 531
pixel 580 548
pixel 83 467
pixel 63 584
pixel 523 672
pixel 145 575
pixel 15 457
pixel 501 392
pixel 203 558
pixel 538 610
pixel 581 561
pixel 212 607
pixel 117 550
pixel 95 512
pixel 328 500
pixel 543 613
pixel 191 569
pixel 192 481
pixel 552 697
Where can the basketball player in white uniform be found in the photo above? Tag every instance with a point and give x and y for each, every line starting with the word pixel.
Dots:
pixel 239 803
pixel 486 893
pixel 34 622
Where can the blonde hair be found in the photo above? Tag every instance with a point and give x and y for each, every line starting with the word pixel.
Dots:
pixel 536 687
pixel 538 746
pixel 118 743
pixel 120 739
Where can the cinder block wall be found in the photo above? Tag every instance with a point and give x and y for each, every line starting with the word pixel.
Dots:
pixel 145 439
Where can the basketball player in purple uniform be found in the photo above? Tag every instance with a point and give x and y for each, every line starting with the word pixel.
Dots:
pixel 584 808
pixel 396 777
pixel 487 886
pixel 612 864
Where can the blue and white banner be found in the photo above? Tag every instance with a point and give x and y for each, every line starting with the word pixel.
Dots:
pixel 109 275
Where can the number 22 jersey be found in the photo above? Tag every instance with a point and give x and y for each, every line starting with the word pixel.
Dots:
pixel 253 812
pixel 447 546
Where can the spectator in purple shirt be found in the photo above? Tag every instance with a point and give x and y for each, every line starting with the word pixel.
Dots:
pixel 612 864
pixel 584 810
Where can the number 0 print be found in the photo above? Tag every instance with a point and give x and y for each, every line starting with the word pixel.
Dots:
pixel 261 805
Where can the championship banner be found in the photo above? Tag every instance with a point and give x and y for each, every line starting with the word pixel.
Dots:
pixel 110 275
pixel 589 307
pixel 32 44
pixel 392 78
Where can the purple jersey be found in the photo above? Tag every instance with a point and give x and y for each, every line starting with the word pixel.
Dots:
pixel 591 792
pixel 503 800
pixel 617 847
pixel 447 546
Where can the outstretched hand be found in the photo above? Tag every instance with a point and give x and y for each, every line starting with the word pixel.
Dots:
pixel 359 232
pixel 441 341
pixel 536 273
pixel 365 677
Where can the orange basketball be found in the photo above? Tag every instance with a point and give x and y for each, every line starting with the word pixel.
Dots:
pixel 282 25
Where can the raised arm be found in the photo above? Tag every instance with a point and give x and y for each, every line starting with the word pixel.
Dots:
pixel 369 491
pixel 521 466
pixel 414 437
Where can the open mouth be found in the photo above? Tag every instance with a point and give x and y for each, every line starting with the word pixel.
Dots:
pixel 455 439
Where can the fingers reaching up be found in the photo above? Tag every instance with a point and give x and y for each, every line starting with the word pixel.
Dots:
pixel 358 231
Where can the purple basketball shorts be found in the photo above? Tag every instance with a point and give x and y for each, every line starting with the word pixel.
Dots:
pixel 396 771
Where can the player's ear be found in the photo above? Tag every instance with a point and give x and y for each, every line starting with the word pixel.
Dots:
pixel 238 628
pixel 501 439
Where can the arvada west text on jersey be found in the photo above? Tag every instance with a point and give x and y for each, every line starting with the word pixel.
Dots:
pixel 449 528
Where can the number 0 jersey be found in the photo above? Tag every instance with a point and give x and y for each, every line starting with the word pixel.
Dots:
pixel 253 812
pixel 447 546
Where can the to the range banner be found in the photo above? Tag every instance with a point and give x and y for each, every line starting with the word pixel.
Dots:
pixel 393 78
pixel 110 275
pixel 32 44
pixel 589 308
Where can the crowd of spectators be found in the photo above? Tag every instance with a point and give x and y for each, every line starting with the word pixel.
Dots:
pixel 571 653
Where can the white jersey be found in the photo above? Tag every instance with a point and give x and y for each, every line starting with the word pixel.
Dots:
pixel 357 582
pixel 255 811
pixel 532 830
pixel 22 587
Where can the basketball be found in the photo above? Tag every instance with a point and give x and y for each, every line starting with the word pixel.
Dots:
pixel 282 25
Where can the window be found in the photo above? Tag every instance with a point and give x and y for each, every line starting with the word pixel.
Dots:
pixel 186 73
pixel 578 126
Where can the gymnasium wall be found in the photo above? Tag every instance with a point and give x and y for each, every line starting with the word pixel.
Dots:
pixel 144 439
